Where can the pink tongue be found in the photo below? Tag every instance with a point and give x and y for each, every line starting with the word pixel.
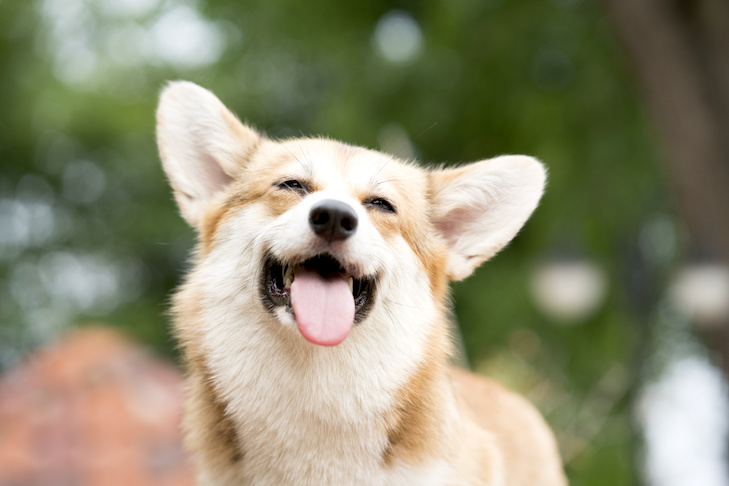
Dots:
pixel 324 307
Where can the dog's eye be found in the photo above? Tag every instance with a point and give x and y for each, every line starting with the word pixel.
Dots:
pixel 380 204
pixel 293 185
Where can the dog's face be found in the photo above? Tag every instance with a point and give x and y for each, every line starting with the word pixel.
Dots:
pixel 327 238
pixel 326 223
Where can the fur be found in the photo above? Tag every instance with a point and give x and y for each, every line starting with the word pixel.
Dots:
pixel 267 407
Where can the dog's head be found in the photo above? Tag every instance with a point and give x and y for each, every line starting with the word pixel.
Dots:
pixel 323 236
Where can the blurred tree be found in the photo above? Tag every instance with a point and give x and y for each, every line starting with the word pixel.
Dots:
pixel 683 67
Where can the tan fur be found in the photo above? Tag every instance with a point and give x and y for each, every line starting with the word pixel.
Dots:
pixel 519 429
pixel 382 408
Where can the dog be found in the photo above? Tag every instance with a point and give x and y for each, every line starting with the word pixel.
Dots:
pixel 314 322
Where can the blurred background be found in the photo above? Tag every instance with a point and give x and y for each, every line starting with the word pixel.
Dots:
pixel 610 310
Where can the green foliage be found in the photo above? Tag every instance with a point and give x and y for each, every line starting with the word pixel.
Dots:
pixel 491 77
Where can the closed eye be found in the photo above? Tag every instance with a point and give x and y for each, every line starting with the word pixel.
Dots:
pixel 381 204
pixel 294 185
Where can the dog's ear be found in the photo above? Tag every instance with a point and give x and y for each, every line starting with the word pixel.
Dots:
pixel 202 146
pixel 480 207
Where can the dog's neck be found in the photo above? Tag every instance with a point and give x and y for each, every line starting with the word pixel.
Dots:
pixel 339 431
pixel 364 408
pixel 378 400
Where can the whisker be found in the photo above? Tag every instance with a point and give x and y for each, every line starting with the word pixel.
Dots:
pixel 396 324
pixel 390 301
pixel 392 157
pixel 424 131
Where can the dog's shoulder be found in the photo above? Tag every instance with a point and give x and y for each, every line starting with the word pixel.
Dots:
pixel 523 437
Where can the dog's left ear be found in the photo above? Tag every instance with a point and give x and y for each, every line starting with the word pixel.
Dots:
pixel 480 207
pixel 203 146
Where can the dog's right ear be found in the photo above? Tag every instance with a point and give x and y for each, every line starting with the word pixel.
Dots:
pixel 202 146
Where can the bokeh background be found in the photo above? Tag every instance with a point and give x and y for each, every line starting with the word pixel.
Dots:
pixel 610 310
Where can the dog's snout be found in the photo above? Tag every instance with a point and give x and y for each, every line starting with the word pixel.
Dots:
pixel 333 220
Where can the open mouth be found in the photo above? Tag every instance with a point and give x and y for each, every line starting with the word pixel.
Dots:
pixel 278 277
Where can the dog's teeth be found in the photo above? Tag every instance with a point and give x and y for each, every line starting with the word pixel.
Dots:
pixel 351 284
pixel 288 277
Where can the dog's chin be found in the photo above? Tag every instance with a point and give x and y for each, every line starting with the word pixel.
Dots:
pixel 277 276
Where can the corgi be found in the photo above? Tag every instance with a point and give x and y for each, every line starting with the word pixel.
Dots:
pixel 314 323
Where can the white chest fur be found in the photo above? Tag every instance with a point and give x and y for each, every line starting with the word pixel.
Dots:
pixel 308 414
pixel 309 417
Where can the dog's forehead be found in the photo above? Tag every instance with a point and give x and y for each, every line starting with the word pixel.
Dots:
pixel 331 164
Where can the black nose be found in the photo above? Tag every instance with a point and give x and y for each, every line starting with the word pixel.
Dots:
pixel 333 220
